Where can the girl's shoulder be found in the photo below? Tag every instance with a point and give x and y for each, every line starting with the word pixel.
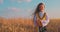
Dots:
pixel 46 13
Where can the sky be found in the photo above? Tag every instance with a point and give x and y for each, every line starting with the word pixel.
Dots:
pixel 25 8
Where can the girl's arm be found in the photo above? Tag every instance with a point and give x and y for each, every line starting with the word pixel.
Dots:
pixel 45 22
pixel 36 21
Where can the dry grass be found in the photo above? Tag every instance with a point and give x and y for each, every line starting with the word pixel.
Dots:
pixel 25 25
pixel 54 25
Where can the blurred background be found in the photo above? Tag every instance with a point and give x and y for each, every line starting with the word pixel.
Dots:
pixel 19 12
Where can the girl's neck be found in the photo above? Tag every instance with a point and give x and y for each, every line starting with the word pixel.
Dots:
pixel 41 11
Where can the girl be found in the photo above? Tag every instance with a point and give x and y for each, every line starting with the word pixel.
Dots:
pixel 41 19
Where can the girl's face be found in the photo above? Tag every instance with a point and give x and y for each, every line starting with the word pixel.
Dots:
pixel 41 8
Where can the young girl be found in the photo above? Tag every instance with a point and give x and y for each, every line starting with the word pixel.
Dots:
pixel 41 19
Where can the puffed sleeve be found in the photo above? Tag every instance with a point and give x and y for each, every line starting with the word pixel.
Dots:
pixel 45 22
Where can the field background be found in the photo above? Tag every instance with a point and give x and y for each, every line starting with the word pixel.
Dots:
pixel 25 25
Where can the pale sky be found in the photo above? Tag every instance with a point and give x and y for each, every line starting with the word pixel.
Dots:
pixel 24 8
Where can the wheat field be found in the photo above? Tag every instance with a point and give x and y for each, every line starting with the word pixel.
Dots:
pixel 25 25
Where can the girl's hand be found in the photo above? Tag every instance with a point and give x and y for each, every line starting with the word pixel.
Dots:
pixel 39 22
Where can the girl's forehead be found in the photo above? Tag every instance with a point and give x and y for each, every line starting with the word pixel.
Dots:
pixel 41 5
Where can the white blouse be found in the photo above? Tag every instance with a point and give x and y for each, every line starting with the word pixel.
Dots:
pixel 44 22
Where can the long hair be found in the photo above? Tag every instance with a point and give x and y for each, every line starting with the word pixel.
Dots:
pixel 37 9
